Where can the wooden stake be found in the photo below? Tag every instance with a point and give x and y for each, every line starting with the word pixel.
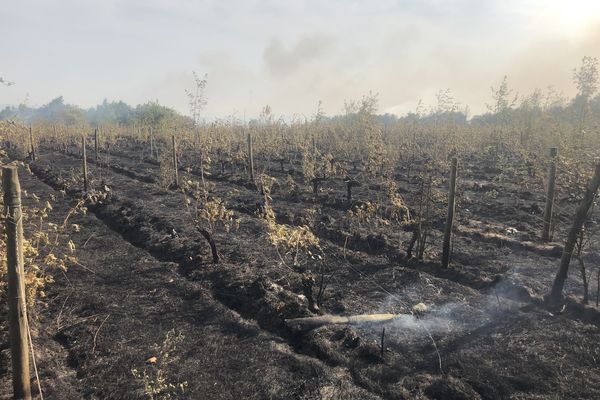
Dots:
pixel 31 143
pixel 96 145
pixel 550 196
pixel 175 167
pixel 450 216
pixel 349 184
pixel 17 306
pixel 250 157
pixel 221 161
pixel 151 144
pixel 382 342
pixel 85 168
pixel 316 181
pixel 578 221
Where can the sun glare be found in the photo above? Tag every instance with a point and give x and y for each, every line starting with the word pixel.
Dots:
pixel 570 17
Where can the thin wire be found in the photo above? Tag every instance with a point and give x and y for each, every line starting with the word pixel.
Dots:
pixel 37 377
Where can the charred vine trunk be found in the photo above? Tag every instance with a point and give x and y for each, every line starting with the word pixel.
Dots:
pixel 211 242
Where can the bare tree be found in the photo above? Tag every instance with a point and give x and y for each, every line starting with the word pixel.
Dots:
pixel 197 99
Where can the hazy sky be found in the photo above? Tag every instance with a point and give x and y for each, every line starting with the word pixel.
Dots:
pixel 290 54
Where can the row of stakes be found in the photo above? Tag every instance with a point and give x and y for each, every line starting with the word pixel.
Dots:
pixel 14 246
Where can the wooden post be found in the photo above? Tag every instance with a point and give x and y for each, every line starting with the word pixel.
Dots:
pixel 17 306
pixel 349 184
pixel 550 196
pixel 221 161
pixel 450 216
pixel 85 168
pixel 31 144
pixel 151 144
pixel 96 145
pixel 578 221
pixel 250 157
pixel 316 181
pixel 382 342
pixel 175 167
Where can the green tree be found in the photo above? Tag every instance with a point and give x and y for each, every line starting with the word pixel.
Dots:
pixel 586 81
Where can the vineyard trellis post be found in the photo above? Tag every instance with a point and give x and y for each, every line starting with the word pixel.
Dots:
pixel 31 144
pixel 450 216
pixel 175 167
pixel 151 144
pixel 578 221
pixel 85 167
pixel 96 144
pixel 250 157
pixel 350 183
pixel 550 196
pixel 17 305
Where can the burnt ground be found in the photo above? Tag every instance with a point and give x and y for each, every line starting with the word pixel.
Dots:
pixel 149 282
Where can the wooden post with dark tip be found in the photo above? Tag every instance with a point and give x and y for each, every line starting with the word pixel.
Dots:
pixel 32 146
pixel 550 196
pixel 578 221
pixel 221 161
pixel 151 144
pixel 349 184
pixel 450 216
pixel 96 145
pixel 175 167
pixel 17 305
pixel 250 157
pixel 85 167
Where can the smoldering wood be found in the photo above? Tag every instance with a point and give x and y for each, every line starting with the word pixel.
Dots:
pixel 308 323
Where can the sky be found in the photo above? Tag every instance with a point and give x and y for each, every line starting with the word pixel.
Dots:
pixel 290 54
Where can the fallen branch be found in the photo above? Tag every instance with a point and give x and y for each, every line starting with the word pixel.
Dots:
pixel 308 323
